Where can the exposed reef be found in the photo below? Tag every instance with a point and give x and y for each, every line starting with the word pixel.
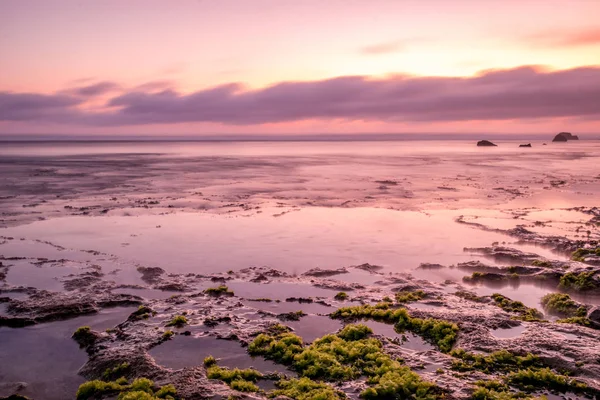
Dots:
pixel 443 350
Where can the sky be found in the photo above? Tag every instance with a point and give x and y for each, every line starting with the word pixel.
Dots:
pixel 206 67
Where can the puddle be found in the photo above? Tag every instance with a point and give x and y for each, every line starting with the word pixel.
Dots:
pixel 413 341
pixel 277 290
pixel 14 295
pixel 186 351
pixel 432 367
pixel 528 293
pixel 509 333
pixel 145 293
pixel 289 306
pixel 312 327
pixel 46 277
pixel 53 358
pixel 563 396
pixel 570 336
pixel 36 249
pixel 122 274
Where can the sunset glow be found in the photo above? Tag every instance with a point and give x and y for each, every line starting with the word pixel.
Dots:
pixel 278 66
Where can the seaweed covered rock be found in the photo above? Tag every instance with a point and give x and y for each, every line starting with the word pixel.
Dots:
pixel 85 336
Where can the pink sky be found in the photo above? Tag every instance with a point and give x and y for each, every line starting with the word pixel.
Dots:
pixel 302 66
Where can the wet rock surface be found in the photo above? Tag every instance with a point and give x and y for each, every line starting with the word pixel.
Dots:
pixel 228 318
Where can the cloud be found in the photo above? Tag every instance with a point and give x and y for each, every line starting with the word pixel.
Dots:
pixel 522 93
pixel 95 89
pixel 582 37
pixel 33 106
pixel 158 85
pixel 383 48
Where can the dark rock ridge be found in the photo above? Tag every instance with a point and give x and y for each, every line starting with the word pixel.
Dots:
pixel 486 143
pixel 594 316
pixel 318 272
pixel 564 137
pixel 525 145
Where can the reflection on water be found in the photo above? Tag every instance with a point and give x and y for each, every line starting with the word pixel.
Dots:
pixel 295 242
pixel 186 351
pixel 46 358
pixel 46 277
pixel 530 293
pixel 312 327
pixel 145 293
pixel 508 333
pixel 409 340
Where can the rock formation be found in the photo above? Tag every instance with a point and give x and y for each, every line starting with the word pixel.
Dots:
pixel 564 137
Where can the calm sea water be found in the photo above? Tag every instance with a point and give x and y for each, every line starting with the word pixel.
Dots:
pixel 275 148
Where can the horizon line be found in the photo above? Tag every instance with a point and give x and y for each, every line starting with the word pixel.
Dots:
pixel 45 137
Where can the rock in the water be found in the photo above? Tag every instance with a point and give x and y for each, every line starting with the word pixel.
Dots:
pixel 525 145
pixel 430 266
pixel 318 272
pixel 485 143
pixel 564 137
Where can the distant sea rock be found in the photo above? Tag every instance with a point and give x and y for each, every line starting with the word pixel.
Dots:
pixel 525 145
pixel 485 143
pixel 565 137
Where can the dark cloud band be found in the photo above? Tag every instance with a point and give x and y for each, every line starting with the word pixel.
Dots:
pixel 521 93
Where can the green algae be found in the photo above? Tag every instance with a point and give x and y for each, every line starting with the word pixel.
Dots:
pixel 139 389
pixel 524 313
pixel 439 332
pixel 348 355
pixel 562 304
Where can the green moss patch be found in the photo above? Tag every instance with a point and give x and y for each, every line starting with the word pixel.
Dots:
pixel 524 313
pixel 168 334
pixel 525 372
pixel 439 332
pixel 580 254
pixel 541 263
pixel 341 296
pixel 178 321
pixel 498 361
pixel 221 290
pixel 116 372
pixel 409 297
pixel 532 379
pixel 583 321
pixel 292 316
pixel 562 304
pixel 84 336
pixel 350 354
pixel 579 282
pixel 139 389
pixel 238 379
pixel 306 389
